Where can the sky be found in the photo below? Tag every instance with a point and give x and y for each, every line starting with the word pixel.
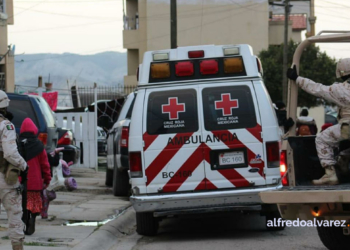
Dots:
pixel 93 26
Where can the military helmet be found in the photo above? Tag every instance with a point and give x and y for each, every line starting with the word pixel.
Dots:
pixel 4 100
pixel 343 67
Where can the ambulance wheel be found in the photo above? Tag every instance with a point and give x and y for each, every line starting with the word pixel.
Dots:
pixel 274 217
pixel 146 224
pixel 109 177
pixel 121 186
pixel 333 238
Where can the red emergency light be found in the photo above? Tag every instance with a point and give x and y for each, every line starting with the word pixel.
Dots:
pixel 196 54
pixel 209 67
pixel 184 68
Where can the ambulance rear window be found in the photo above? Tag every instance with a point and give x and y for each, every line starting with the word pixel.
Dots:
pixel 228 108
pixel 170 112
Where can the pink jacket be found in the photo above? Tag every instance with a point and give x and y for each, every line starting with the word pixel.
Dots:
pixel 39 168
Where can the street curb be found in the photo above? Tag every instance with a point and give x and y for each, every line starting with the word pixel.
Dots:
pixel 106 236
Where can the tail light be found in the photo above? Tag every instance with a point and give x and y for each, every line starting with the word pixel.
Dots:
pixel 124 139
pixel 283 168
pixel 43 138
pixel 209 67
pixel 184 68
pixel 66 139
pixel 273 154
pixel 196 54
pixel 135 164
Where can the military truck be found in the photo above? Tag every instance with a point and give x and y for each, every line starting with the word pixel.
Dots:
pixel 298 199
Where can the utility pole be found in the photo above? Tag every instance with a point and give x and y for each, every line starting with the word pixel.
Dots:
pixel 285 52
pixel 173 24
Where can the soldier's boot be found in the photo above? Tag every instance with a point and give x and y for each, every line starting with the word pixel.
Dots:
pixel 17 245
pixel 330 178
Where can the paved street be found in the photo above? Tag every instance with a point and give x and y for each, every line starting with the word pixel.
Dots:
pixel 221 233
pixel 73 216
pixel 85 219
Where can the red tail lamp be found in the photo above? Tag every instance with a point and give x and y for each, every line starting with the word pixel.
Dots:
pixel 196 54
pixel 184 69
pixel 209 67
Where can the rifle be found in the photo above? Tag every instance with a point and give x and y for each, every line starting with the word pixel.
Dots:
pixel 23 186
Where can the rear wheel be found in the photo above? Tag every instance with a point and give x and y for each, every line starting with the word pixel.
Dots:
pixel 109 177
pixel 146 224
pixel 333 238
pixel 121 186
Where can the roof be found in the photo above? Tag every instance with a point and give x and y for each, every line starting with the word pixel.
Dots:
pixel 299 21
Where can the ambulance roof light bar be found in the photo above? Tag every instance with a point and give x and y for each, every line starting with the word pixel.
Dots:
pixel 231 51
pixel 163 56
pixel 196 54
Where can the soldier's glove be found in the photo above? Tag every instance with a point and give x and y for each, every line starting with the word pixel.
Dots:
pixel 292 73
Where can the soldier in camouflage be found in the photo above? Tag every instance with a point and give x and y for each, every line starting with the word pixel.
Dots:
pixel 327 140
pixel 9 195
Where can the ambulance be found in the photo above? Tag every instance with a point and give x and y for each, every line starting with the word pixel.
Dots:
pixel 203 136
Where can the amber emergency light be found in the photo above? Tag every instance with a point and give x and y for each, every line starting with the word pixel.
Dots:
pixel 160 70
pixel 233 65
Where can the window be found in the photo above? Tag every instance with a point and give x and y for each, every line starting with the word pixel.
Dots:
pixel 228 108
pixel 3 6
pixel 22 109
pixel 128 115
pixel 170 112
pixel 47 112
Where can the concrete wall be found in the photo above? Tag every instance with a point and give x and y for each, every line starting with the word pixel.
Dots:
pixel 8 61
pixel 202 22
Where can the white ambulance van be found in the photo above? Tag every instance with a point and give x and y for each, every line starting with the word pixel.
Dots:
pixel 203 135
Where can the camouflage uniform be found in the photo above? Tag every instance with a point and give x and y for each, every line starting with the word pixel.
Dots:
pixel 338 93
pixel 11 200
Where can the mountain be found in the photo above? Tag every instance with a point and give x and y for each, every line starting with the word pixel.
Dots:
pixel 106 69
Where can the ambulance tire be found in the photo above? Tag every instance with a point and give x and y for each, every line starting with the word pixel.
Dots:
pixel 272 217
pixel 146 224
pixel 333 238
pixel 109 177
pixel 121 186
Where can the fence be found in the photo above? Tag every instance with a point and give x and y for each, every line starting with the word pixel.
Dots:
pixel 85 94
pixel 84 126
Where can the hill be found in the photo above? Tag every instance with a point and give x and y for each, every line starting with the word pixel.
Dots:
pixel 106 69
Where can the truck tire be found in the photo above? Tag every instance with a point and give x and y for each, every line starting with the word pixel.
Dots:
pixel 272 217
pixel 109 177
pixel 146 224
pixel 333 238
pixel 121 186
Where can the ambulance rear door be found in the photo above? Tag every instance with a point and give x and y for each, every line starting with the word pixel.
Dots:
pixel 173 156
pixel 231 133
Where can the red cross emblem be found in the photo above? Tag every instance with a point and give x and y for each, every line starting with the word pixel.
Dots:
pixel 173 108
pixel 226 104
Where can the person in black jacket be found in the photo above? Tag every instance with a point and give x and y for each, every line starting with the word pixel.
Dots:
pixel 281 113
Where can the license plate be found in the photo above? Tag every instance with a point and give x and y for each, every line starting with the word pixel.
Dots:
pixel 231 158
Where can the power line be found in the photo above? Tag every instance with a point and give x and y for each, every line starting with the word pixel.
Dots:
pixel 24 10
pixel 337 4
pixel 63 27
pixel 66 15
pixel 84 1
